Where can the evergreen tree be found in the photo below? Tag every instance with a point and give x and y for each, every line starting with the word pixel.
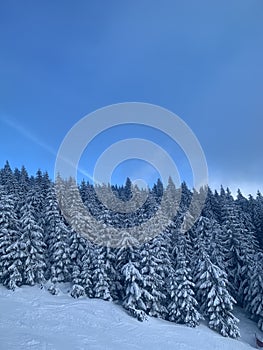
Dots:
pixel 158 190
pixel 128 189
pixel 257 215
pixel 215 301
pixel 133 287
pixel 254 290
pixel 23 189
pixel 57 239
pixel 239 246
pixel 211 209
pixel 13 267
pixel 7 179
pixel 10 264
pixel 216 249
pixel 87 270
pixel 77 248
pixel 170 200
pixel 242 202
pixel 130 281
pixel 33 247
pixel 153 282
pixel 106 254
pixel 183 305
pixel 100 277
pixel 60 255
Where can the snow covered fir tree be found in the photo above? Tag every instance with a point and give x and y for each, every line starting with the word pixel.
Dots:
pixel 183 276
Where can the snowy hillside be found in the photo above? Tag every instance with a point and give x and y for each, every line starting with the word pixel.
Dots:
pixel 31 318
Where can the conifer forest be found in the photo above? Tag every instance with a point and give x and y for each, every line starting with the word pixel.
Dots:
pixel 183 276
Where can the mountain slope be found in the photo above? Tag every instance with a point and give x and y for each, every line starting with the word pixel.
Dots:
pixel 31 318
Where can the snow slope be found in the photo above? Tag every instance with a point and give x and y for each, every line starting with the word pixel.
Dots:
pixel 31 318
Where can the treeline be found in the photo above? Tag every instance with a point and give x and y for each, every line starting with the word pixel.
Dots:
pixel 178 275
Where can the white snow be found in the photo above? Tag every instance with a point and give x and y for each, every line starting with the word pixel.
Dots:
pixel 31 318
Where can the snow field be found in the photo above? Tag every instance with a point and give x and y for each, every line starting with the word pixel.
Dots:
pixel 31 318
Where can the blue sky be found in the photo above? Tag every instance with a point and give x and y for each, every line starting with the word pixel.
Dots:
pixel 203 60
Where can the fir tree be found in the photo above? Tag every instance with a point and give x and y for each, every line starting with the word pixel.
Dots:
pixel 153 282
pixel 254 290
pixel 183 307
pixel 133 287
pixel 100 278
pixel 130 280
pixel 77 248
pixel 10 265
pixel 33 247
pixel 86 272
pixel 215 301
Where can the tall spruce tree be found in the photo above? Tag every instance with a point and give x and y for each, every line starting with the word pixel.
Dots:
pixel 254 290
pixel 184 310
pixel 33 247
pixel 10 264
pixel 216 304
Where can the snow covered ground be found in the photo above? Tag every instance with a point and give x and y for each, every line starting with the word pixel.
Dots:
pixel 31 318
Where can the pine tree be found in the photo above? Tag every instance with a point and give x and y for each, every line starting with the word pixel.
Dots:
pixel 23 189
pixel 254 290
pixel 77 290
pixel 33 246
pixel 57 241
pixel 208 238
pixel 87 270
pixel 183 305
pixel 105 244
pixel 77 248
pixel 211 208
pixel 183 297
pixel 13 265
pixel 150 267
pixel 10 263
pixel 60 255
pixel 215 301
pixel 158 190
pixel 242 202
pixel 239 245
pixel 257 215
pixel 133 286
pixel 7 179
pixel 170 200
pixel 128 189
pixel 172 287
pixel 130 281
pixel 100 278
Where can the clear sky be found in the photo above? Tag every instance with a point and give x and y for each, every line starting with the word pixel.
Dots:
pixel 203 60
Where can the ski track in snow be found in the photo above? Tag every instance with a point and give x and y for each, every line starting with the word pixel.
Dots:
pixel 31 318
